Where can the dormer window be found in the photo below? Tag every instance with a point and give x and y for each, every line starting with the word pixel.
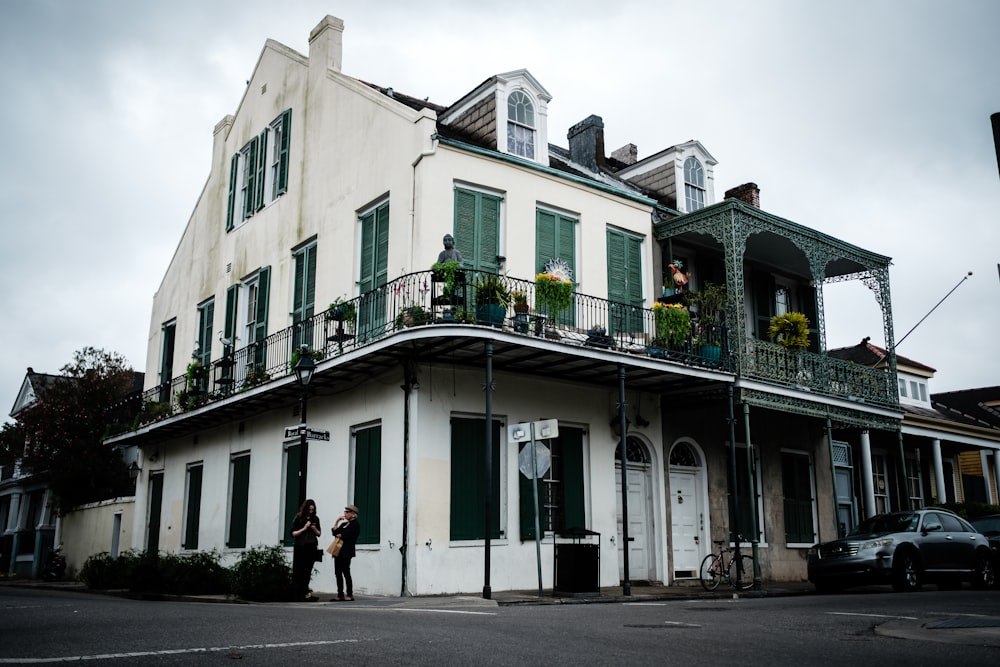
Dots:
pixel 694 185
pixel 520 125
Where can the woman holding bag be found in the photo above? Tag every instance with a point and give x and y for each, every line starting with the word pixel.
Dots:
pixel 347 528
pixel 305 530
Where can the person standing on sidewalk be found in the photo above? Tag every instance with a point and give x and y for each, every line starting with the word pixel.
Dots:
pixel 347 527
pixel 305 530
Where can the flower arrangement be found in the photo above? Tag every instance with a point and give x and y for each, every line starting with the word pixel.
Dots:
pixel 553 293
pixel 672 324
pixel 791 330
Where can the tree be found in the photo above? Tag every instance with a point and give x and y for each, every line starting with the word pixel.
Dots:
pixel 64 428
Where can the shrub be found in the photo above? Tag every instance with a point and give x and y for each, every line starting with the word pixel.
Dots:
pixel 102 572
pixel 199 573
pixel 261 574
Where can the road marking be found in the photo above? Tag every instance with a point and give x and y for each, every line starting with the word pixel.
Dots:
pixel 450 611
pixel 178 651
pixel 845 613
pixel 645 604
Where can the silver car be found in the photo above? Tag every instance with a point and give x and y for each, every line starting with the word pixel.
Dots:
pixel 904 549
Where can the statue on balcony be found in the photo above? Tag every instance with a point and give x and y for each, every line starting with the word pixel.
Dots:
pixel 449 254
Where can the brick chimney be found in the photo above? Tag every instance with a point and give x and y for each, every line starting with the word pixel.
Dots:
pixel 748 193
pixel 586 142
pixel 627 154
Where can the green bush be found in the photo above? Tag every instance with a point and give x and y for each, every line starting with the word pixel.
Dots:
pixel 102 572
pixel 261 574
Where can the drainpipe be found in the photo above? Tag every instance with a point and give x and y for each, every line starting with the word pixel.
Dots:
pixel 413 194
pixel 409 381
pixel 623 425
pixel 488 388
pixel 734 503
pixel 751 486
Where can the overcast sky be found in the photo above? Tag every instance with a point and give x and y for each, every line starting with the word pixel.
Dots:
pixel 864 119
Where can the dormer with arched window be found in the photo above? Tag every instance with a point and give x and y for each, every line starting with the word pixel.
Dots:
pixel 683 176
pixel 694 184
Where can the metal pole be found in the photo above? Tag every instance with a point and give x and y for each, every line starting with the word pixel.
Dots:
pixel 751 466
pixel 734 505
pixel 902 466
pixel 303 446
pixel 626 583
pixel 534 491
pixel 833 478
pixel 487 592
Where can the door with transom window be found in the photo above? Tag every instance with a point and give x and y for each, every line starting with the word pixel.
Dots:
pixel 641 559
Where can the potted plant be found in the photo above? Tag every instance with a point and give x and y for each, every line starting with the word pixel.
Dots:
pixel 790 330
pixel 709 303
pixel 342 311
pixel 553 294
pixel 521 308
pixel 672 325
pixel 492 299
pixel 411 316
pixel 298 353
pixel 451 274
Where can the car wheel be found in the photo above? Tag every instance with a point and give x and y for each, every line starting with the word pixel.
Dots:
pixel 984 575
pixel 905 572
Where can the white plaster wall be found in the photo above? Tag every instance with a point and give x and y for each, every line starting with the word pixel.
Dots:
pixel 89 530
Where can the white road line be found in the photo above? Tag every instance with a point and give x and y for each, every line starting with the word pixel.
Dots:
pixel 845 613
pixel 645 604
pixel 179 651
pixel 450 611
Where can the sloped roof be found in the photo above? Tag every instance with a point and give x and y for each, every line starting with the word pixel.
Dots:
pixel 979 407
pixel 867 354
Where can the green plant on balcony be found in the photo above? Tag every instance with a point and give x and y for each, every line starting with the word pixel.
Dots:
pixel 449 273
pixel 343 311
pixel 709 303
pixel 411 316
pixel 298 353
pixel 491 289
pixel 790 330
pixel 672 323
pixel 553 294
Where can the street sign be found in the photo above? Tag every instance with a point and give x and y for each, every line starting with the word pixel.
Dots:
pixel 543 459
pixel 310 433
pixel 316 434
pixel 292 431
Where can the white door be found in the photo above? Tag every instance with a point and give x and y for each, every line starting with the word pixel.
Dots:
pixel 640 560
pixel 686 531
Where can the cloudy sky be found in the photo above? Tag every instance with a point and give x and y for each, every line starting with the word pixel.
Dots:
pixel 864 119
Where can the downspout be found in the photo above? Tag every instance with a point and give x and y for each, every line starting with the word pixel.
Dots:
pixel 734 503
pixel 413 194
pixel 488 388
pixel 755 536
pixel 409 381
pixel 623 425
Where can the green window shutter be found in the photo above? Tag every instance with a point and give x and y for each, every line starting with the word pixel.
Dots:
pixel 260 317
pixel 555 236
pixel 571 451
pixel 368 481
pixel 229 328
pixel 374 272
pixel 465 225
pixel 367 279
pixel 489 234
pixel 798 501
pixel 286 136
pixel 625 281
pixel 382 245
pixel 234 167
pixel 292 458
pixel 468 469
pixel 261 171
pixel 206 317
pixel 155 512
pixel 250 178
pixel 169 333
pixel 239 502
pixel 477 229
pixel 304 294
pixel 193 514
pixel 617 273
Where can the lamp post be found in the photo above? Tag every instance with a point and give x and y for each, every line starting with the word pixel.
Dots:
pixel 305 367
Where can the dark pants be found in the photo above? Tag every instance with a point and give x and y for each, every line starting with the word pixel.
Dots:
pixel 342 567
pixel 303 558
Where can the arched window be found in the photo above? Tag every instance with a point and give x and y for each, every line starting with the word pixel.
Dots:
pixel 694 184
pixel 635 451
pixel 684 455
pixel 520 125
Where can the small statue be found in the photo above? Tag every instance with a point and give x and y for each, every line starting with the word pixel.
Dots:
pixel 449 254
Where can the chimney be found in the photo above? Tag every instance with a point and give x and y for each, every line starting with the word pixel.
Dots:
pixel 586 142
pixel 326 44
pixel 629 154
pixel 748 193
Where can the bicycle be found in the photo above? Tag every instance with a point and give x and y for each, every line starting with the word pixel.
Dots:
pixel 715 568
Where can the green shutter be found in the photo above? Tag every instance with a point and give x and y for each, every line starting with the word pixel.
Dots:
pixel 250 178
pixel 382 245
pixel 193 514
pixel 625 281
pixel 468 469
pixel 169 333
pixel 489 234
pixel 367 481
pixel 571 452
pixel 239 502
pixel 617 276
pixel 206 317
pixel 155 512
pixel 465 225
pixel 260 317
pixel 798 501
pixel 261 171
pixel 229 328
pixel 234 166
pixel 286 135
pixel 292 458
pixel 545 239
pixel 374 272
pixel 304 294
pixel 477 229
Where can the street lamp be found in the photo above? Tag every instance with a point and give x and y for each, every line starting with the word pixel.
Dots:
pixel 133 471
pixel 304 369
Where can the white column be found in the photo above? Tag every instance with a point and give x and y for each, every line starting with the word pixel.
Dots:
pixel 942 494
pixel 996 473
pixel 867 484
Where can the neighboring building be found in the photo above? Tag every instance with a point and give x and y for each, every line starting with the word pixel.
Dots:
pixel 946 449
pixel 318 225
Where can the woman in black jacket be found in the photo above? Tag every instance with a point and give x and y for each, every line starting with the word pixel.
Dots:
pixel 348 528
pixel 305 530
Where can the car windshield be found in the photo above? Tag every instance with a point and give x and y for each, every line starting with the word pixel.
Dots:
pixel 899 522
pixel 988 525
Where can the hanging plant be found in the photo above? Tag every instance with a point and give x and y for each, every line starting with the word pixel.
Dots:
pixel 790 330
pixel 673 325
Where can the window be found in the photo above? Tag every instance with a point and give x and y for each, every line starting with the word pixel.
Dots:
pixel 748 506
pixel 477 229
pixel 624 282
pixel 915 485
pixel 880 482
pixel 368 480
pixel 239 498
pixel 168 334
pixel 249 323
pixel 520 125
pixel 468 488
pixel 923 392
pixel 555 238
pixel 914 391
pixel 206 317
pixel 374 269
pixel 694 185
pixel 797 487
pixel 192 506
pixel 560 490
pixel 258 173
pixel 902 388
pixel 303 295
pixel 155 512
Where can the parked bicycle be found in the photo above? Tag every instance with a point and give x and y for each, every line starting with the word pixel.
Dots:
pixel 725 565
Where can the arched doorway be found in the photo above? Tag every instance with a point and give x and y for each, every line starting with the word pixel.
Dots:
pixel 641 559
pixel 688 519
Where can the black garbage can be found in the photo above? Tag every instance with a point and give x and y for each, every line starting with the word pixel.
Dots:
pixel 578 562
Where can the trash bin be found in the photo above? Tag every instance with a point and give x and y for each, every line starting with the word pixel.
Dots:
pixel 578 562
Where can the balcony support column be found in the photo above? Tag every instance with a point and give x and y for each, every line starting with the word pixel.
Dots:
pixel 942 493
pixel 867 485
